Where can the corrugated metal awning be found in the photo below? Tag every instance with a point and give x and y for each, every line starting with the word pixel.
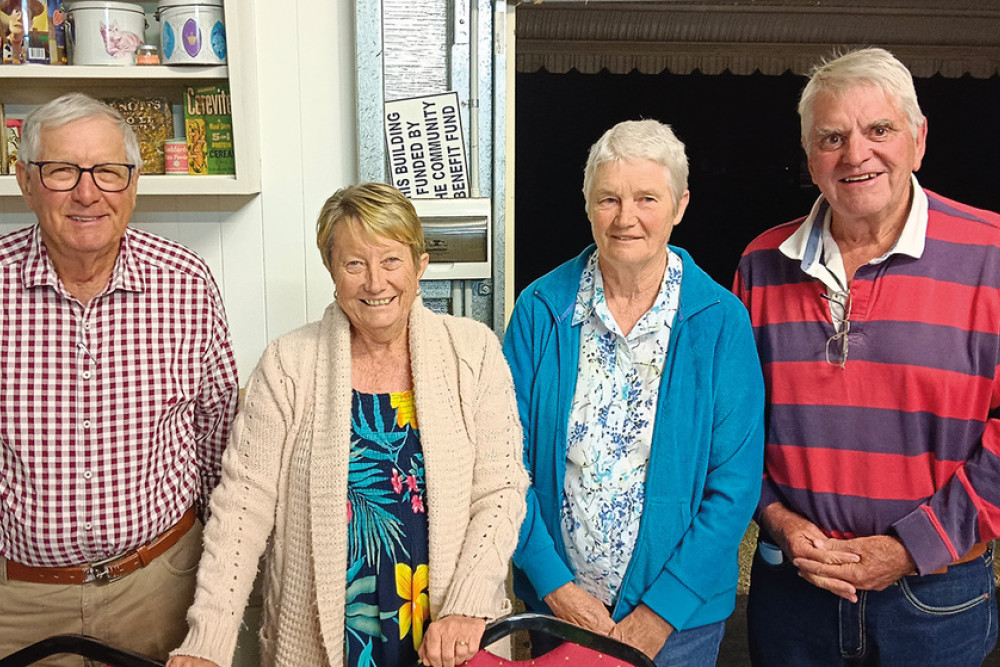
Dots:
pixel 740 36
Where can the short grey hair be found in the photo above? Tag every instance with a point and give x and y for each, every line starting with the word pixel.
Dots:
pixel 872 66
pixel 66 109
pixel 640 140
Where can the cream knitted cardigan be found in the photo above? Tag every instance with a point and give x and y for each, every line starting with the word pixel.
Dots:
pixel 284 488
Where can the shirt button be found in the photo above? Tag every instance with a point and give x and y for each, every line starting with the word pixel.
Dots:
pixel 86 423
pixel 86 375
pixel 86 325
pixel 88 525
pixel 87 474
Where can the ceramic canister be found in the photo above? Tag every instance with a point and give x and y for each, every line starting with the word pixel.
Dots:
pixel 192 32
pixel 104 33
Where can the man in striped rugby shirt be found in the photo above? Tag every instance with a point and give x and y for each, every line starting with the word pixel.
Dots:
pixel 877 319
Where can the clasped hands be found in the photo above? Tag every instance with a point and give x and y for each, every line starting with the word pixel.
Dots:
pixel 842 567
pixel 643 628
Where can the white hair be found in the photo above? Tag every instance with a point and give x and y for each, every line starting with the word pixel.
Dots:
pixel 640 140
pixel 872 66
pixel 66 109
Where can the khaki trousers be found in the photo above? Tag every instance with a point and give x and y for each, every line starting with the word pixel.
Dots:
pixel 144 612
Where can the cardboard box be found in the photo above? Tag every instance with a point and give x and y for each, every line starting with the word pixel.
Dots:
pixel 12 141
pixel 152 121
pixel 32 31
pixel 4 168
pixel 208 127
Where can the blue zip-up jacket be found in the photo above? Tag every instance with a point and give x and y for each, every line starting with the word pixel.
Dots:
pixel 706 461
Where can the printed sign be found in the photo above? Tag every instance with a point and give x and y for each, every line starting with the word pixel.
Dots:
pixel 426 148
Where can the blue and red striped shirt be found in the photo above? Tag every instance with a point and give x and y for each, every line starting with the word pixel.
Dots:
pixel 905 438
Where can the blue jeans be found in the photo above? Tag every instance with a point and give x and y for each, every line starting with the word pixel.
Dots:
pixel 695 647
pixel 939 620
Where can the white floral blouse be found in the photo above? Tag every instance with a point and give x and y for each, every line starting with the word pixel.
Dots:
pixel 611 429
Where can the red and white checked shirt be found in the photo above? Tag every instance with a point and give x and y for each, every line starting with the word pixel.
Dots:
pixel 113 415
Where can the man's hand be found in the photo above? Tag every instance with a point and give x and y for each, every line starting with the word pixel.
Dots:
pixel 644 629
pixel 882 561
pixel 806 545
pixel 799 537
pixel 451 640
pixel 575 605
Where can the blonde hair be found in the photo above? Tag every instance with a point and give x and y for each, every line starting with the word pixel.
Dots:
pixel 380 209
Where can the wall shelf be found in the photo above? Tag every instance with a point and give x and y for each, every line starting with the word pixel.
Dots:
pixel 75 73
pixel 26 85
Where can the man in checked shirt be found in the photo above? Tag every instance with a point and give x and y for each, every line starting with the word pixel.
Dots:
pixel 117 389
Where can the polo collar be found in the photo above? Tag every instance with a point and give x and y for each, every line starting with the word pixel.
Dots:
pixel 813 245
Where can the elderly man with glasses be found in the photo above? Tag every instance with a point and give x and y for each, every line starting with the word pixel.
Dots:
pixel 877 319
pixel 117 389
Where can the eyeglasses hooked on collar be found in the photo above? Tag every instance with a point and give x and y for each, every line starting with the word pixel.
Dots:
pixel 65 176
pixel 837 344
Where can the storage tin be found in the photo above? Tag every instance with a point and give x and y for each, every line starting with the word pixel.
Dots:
pixel 175 156
pixel 103 32
pixel 192 32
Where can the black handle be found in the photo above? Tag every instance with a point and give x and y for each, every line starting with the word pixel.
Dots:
pixel 562 630
pixel 83 645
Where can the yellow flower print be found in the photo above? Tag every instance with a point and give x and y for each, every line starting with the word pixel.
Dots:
pixel 406 408
pixel 411 586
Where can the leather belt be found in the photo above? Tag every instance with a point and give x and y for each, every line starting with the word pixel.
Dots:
pixel 108 570
pixel 975 552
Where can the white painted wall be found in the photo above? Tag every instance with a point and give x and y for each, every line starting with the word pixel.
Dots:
pixel 262 248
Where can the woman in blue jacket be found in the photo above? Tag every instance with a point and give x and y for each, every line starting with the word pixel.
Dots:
pixel 640 392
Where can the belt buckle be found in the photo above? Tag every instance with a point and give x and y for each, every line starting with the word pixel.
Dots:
pixel 100 572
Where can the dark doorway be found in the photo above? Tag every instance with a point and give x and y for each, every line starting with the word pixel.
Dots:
pixel 742 137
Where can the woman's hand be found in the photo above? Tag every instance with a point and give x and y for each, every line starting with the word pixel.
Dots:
pixel 189 661
pixel 451 640
pixel 575 605
pixel 643 629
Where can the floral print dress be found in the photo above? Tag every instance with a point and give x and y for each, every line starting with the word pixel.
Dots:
pixel 387 606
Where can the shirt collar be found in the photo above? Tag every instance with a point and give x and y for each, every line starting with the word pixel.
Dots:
pixel 127 274
pixel 37 269
pixel 588 287
pixel 591 291
pixel 813 246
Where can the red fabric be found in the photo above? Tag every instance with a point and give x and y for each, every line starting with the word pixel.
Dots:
pixel 566 654
pixel 114 414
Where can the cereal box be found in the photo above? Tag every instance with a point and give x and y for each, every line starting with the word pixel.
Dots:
pixel 208 127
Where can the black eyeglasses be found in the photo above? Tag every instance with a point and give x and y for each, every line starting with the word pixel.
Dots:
pixel 836 345
pixel 64 176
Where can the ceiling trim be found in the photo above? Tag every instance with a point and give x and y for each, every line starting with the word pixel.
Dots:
pixel 742 38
